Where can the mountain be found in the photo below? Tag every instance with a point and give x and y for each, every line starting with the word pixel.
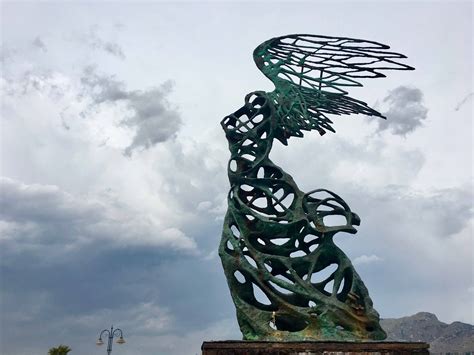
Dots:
pixel 456 337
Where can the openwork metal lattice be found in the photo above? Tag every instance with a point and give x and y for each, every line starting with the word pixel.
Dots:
pixel 287 278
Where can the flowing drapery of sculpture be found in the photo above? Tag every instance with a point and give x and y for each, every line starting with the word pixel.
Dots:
pixel 287 277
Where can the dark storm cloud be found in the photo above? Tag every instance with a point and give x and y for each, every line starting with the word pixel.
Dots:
pixel 42 218
pixel 405 112
pixel 21 203
pixel 153 119
pixel 81 289
pixel 148 295
pixel 72 263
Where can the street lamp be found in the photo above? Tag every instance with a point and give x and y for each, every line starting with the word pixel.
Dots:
pixel 111 334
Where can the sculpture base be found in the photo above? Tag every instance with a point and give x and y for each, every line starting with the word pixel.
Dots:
pixel 232 347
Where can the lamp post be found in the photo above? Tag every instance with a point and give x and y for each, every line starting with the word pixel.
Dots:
pixel 111 334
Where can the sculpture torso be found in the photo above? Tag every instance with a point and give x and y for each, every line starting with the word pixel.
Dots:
pixel 275 237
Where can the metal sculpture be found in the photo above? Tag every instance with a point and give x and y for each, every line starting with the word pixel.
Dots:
pixel 276 240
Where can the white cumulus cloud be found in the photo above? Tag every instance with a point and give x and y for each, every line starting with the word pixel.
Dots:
pixel 366 259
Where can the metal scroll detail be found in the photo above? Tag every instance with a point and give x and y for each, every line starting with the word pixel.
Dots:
pixel 287 278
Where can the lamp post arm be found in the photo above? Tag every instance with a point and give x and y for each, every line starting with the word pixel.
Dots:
pixel 104 331
pixel 99 340
pixel 118 333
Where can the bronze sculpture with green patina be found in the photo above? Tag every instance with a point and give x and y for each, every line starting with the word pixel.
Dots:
pixel 277 240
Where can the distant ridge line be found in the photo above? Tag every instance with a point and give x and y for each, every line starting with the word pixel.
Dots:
pixel 456 338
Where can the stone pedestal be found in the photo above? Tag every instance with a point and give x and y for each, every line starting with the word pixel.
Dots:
pixel 312 348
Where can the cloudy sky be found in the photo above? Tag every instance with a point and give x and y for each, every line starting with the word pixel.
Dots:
pixel 113 164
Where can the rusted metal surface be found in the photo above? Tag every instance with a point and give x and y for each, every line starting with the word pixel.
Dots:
pixel 277 240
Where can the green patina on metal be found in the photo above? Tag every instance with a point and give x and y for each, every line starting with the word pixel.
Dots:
pixel 288 279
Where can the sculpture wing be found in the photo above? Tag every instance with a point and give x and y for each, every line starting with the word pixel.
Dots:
pixel 311 74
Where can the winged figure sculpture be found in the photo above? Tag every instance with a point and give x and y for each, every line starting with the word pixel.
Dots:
pixel 287 277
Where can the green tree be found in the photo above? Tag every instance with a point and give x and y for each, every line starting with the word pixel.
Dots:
pixel 60 350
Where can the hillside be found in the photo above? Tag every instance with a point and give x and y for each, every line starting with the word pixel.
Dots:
pixel 443 338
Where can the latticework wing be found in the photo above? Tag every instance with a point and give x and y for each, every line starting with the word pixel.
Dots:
pixel 311 74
